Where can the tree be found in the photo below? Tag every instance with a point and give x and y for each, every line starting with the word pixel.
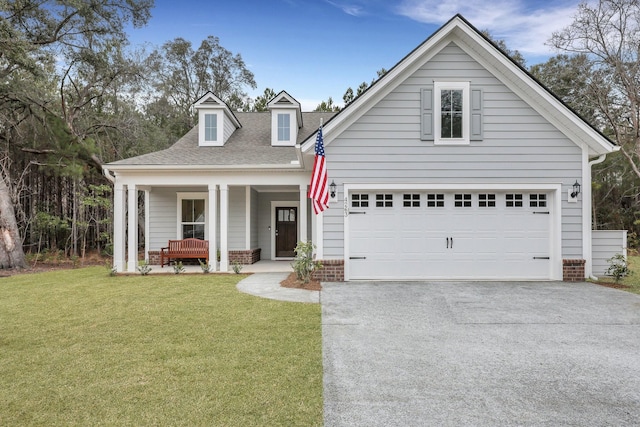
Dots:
pixel 502 45
pixel 181 75
pixel 35 37
pixel 261 101
pixel 327 106
pixel 609 35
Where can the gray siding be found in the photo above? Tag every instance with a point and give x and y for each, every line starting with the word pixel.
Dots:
pixel 518 146
pixel 163 215
pixel 237 218
pixel 606 244
pixel 228 129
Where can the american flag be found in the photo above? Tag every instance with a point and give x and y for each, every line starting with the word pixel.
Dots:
pixel 318 191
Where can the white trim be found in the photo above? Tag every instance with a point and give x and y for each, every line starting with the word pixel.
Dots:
pixel 302 215
pixel 282 204
pixel 204 195
pixel 438 87
pixel 555 250
pixel 219 128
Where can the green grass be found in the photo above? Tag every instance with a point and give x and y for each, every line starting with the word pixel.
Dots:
pixel 78 347
pixel 633 280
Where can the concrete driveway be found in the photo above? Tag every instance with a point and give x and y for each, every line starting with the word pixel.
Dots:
pixel 480 354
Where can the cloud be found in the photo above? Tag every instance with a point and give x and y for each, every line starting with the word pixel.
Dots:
pixel 348 8
pixel 524 26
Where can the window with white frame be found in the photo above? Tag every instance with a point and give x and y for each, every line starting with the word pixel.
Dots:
pixel 210 127
pixel 452 112
pixel 192 214
pixel 284 127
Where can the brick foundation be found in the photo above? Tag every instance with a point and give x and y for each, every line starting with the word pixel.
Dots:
pixel 245 257
pixel 573 270
pixel 332 271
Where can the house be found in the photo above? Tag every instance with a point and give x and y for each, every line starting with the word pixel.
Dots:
pixel 456 164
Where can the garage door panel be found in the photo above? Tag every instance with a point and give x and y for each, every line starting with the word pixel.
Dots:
pixel 448 241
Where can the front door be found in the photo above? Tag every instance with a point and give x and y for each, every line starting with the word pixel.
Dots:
pixel 286 231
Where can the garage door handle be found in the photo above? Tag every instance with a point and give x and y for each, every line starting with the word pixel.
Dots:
pixel 447 243
pixel 452 243
pixel 357 257
pixel 540 257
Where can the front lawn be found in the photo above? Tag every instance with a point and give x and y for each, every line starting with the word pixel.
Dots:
pixel 78 347
pixel 633 280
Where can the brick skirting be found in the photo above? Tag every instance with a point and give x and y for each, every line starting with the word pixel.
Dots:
pixel 243 257
pixel 573 270
pixel 332 271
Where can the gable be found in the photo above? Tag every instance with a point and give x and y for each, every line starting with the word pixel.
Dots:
pixel 479 53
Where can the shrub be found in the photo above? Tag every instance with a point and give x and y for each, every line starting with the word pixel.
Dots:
pixel 237 267
pixel 178 267
pixel 304 265
pixel 618 267
pixel 143 267
pixel 206 268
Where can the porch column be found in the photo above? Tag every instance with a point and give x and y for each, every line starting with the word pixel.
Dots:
pixel 212 221
pixel 132 235
pixel 224 227
pixel 302 215
pixel 147 224
pixel 119 231
pixel 247 222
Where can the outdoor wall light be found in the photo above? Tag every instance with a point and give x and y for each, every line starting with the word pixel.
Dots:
pixel 576 190
pixel 332 189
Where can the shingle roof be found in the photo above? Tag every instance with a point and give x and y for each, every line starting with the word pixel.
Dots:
pixel 250 145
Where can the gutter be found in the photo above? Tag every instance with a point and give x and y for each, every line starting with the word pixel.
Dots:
pixel 107 174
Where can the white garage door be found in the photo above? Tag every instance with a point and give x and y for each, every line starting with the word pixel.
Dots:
pixel 449 235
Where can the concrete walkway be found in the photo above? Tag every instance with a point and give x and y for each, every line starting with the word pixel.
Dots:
pixel 267 285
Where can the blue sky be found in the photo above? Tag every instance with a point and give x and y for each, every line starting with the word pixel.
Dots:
pixel 316 49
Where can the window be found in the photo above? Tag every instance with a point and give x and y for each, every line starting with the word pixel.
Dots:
pixel 192 219
pixel 435 200
pixel 384 200
pixel 462 200
pixel 514 200
pixel 538 200
pixel 359 200
pixel 210 127
pixel 284 127
pixel 451 113
pixel 411 200
pixel 487 200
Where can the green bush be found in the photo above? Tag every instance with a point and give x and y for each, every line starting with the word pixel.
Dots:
pixel 304 265
pixel 618 267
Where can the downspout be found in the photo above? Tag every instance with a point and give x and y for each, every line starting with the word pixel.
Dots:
pixel 596 161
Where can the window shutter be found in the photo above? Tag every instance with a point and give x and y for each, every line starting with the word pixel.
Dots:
pixel 426 114
pixel 476 115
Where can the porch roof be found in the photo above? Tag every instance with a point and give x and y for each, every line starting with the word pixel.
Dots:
pixel 249 145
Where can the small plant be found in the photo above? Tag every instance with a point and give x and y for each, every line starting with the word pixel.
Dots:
pixel 237 267
pixel 618 267
pixel 206 268
pixel 178 267
pixel 304 265
pixel 144 268
pixel 113 271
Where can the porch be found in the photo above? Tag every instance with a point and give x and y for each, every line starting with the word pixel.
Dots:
pixel 243 223
pixel 262 266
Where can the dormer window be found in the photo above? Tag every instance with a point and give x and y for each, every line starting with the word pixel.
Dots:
pixel 210 127
pixel 216 122
pixel 286 119
pixel 284 127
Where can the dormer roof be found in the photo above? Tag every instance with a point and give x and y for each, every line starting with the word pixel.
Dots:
pixel 211 101
pixel 286 101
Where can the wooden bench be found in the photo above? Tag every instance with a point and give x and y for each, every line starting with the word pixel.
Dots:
pixel 182 249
